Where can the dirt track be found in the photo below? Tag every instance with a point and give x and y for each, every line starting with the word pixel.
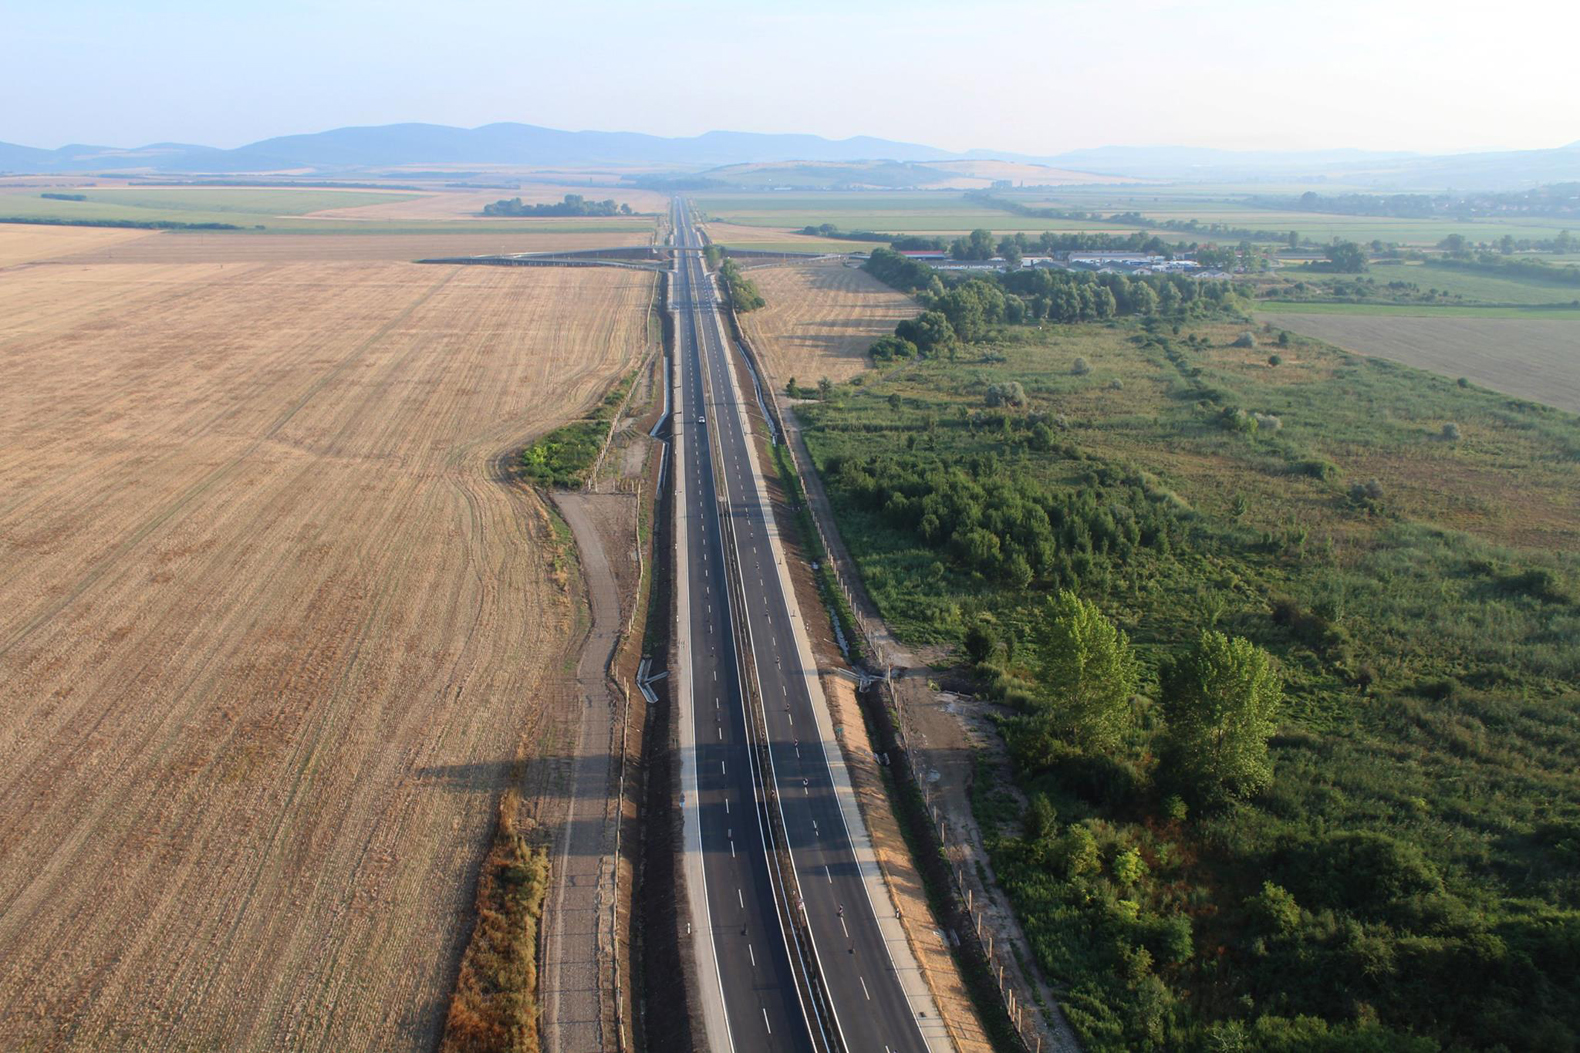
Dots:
pixel 272 630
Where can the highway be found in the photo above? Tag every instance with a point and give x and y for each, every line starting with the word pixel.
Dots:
pixel 744 949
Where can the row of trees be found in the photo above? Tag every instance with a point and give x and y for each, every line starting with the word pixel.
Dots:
pixel 973 307
pixel 573 205
pixel 739 289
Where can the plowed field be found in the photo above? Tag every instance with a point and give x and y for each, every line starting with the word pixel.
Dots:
pixel 272 629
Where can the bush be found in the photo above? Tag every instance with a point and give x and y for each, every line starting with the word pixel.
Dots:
pixel 1318 468
pixel 1006 394
pixel 1275 360
pixel 888 348
pixel 1267 422
pixel 980 644
pixel 1450 432
pixel 1463 382
pixel 1245 339
pixel 1080 367
pixel 1366 493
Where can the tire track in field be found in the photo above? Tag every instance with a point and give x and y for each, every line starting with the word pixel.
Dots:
pixel 202 486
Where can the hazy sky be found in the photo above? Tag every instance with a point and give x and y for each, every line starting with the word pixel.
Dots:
pixel 1031 77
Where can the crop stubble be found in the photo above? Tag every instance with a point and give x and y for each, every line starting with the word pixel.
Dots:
pixel 820 318
pixel 271 630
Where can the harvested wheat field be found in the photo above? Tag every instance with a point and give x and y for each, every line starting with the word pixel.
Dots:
pixel 1536 358
pixel 820 319
pixel 26 243
pixel 246 247
pixel 272 630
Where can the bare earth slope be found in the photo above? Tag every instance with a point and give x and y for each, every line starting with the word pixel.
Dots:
pixel 271 629
pixel 820 318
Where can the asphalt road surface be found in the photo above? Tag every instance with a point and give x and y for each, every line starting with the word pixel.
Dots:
pixel 871 1010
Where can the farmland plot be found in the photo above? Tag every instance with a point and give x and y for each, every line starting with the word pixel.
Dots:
pixel 820 319
pixel 1534 358
pixel 272 630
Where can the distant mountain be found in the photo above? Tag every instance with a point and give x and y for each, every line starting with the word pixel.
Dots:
pixel 346 150
pixel 1501 170
pixel 493 144
pixel 1183 162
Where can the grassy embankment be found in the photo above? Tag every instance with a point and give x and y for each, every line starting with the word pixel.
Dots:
pixel 495 1005
pixel 1406 549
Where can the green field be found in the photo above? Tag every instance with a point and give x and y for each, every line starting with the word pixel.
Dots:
pixel 1471 285
pixel 1418 587
pixel 279 211
pixel 1415 310
pixel 900 212
pixel 950 212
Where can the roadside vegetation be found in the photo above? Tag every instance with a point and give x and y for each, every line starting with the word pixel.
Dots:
pixel 1288 643
pixel 495 1005
pixel 740 290
pixel 565 455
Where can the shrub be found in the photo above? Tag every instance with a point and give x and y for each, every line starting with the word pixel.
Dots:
pixel 1450 432
pixel 887 348
pixel 1275 360
pixel 1116 385
pixel 1318 468
pixel 1266 422
pixel 1366 493
pixel 1245 339
pixel 1009 393
pixel 1463 382
pixel 979 644
pixel 1080 367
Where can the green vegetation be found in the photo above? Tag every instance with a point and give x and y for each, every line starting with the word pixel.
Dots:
pixel 1299 730
pixel 573 205
pixel 64 197
pixel 565 455
pixel 494 1008
pixel 740 290
pixel 974 305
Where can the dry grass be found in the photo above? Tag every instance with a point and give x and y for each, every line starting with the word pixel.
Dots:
pixel 272 631
pixel 25 243
pixel 1535 359
pixel 495 1005
pixel 820 319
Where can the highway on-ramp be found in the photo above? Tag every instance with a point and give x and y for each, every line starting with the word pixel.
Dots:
pixel 875 999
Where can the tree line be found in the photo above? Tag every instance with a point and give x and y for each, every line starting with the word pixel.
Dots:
pixel 967 311
pixel 573 205
pixel 740 290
